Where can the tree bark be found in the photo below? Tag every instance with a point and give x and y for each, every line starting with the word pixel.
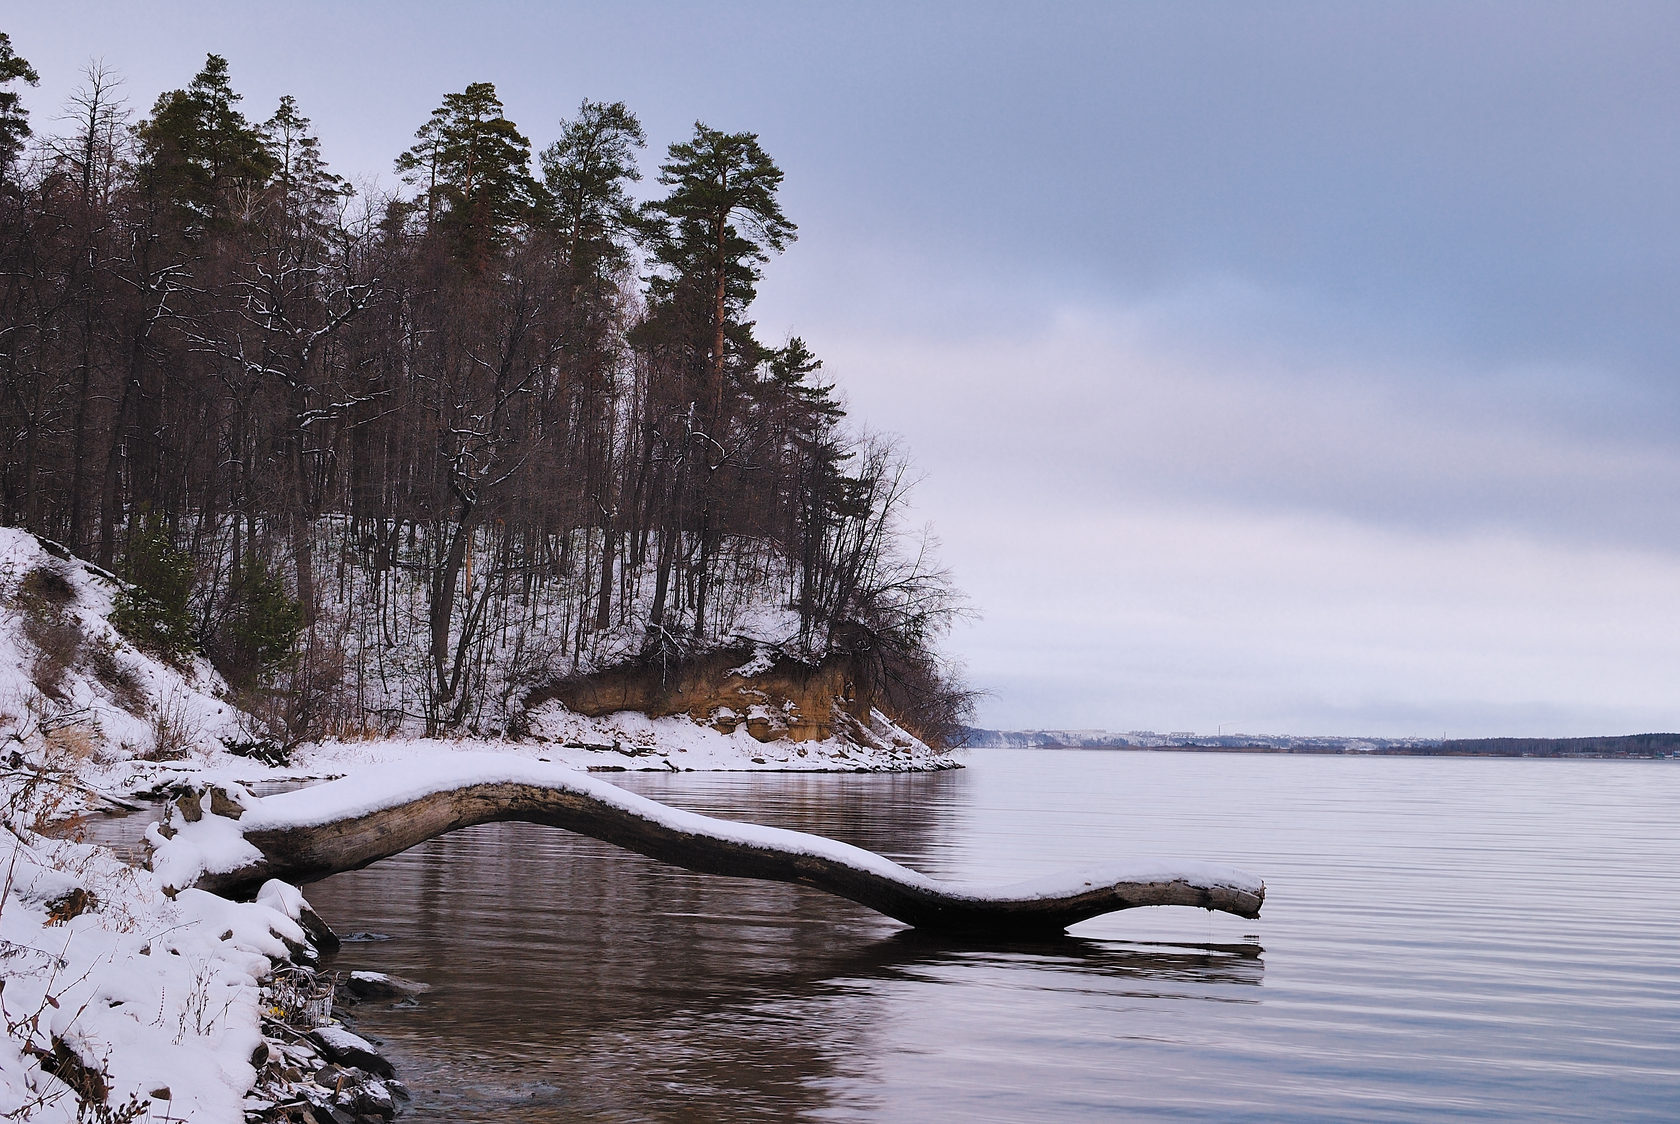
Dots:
pixel 310 834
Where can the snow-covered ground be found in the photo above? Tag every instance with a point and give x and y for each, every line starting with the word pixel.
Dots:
pixel 107 979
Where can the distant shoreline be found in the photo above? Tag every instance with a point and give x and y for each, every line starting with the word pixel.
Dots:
pixel 1631 747
pixel 1321 751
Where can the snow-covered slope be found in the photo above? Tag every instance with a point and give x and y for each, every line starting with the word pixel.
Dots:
pixel 75 693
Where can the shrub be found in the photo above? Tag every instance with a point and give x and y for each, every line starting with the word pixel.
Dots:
pixel 259 625
pixel 127 691
pixel 305 700
pixel 152 611
pixel 57 638
pixel 174 731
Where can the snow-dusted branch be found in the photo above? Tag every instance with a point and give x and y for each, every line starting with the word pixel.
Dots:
pixel 312 833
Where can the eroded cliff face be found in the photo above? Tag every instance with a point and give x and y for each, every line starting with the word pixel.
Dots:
pixel 774 697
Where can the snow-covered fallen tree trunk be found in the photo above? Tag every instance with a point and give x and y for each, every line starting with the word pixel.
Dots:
pixel 309 834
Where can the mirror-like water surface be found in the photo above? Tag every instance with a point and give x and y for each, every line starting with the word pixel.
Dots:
pixel 1442 938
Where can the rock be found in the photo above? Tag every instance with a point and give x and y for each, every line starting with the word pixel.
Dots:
pixel 319 932
pixel 347 1049
pixel 373 1099
pixel 378 985
pixel 224 803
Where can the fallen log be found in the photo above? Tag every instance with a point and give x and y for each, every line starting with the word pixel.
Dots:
pixel 236 842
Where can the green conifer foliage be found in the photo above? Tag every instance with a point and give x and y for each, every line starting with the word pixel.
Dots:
pixel 199 153
pixel 460 442
pixel 472 166
pixel 262 629
pixel 152 611
pixel 586 172
pixel 719 222
pixel 14 119
pixel 303 187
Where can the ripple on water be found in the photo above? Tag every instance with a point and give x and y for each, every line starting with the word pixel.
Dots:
pixel 1441 938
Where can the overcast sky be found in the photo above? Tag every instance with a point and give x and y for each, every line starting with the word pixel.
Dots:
pixel 1300 368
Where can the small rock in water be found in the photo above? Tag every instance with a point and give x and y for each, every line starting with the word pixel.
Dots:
pixel 378 985
pixel 356 938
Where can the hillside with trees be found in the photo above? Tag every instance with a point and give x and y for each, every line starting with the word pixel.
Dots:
pixel 397 461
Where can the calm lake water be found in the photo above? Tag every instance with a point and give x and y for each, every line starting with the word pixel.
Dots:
pixel 1442 939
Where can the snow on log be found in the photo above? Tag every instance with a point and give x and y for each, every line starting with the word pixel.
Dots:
pixel 230 844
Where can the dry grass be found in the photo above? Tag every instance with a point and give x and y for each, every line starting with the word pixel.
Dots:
pixel 47 584
pixel 57 639
pixel 174 733
pixel 117 676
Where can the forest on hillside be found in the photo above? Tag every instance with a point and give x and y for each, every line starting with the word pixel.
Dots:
pixel 393 460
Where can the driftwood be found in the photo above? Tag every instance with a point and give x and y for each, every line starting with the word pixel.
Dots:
pixel 307 835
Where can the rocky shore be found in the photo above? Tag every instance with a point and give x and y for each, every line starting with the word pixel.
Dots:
pixel 313 1068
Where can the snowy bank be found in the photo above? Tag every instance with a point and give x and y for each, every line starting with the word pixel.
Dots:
pixel 121 996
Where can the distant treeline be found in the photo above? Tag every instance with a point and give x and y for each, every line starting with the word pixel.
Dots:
pixel 511 386
pixel 1633 745
pixel 1630 745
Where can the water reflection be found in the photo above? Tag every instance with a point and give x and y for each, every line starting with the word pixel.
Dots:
pixel 1135 961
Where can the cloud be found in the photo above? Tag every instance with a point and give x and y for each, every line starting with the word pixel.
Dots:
pixel 1218 394
pixel 1181 618
pixel 1225 505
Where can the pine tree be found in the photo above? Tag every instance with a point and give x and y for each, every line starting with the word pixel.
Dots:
pixel 215 378
pixel 14 118
pixel 719 222
pixel 473 167
pixel 307 193
pixel 585 173
pixel 200 155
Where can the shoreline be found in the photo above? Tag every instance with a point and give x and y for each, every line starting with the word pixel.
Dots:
pixel 1338 751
